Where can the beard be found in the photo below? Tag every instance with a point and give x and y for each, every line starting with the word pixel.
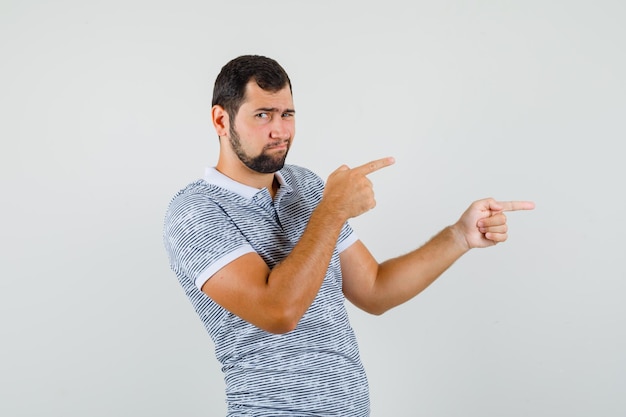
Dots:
pixel 263 163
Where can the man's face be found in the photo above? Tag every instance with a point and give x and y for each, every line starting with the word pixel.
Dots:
pixel 262 131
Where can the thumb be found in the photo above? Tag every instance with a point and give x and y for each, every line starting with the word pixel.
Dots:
pixel 493 205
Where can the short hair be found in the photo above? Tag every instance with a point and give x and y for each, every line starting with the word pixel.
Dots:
pixel 230 85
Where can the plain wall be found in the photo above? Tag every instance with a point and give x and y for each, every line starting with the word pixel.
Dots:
pixel 105 110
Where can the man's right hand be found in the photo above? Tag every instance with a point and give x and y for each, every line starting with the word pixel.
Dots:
pixel 349 192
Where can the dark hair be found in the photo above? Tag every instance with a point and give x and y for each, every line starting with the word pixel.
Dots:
pixel 230 85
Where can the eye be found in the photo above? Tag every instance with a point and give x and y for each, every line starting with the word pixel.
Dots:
pixel 262 116
pixel 287 115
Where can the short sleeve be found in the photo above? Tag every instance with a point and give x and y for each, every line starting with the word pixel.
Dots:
pixel 200 238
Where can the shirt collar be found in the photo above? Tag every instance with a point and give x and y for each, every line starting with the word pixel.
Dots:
pixel 213 176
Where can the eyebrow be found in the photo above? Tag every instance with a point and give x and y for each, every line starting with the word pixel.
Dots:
pixel 274 110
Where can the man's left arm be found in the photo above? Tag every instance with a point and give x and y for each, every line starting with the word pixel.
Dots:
pixel 377 288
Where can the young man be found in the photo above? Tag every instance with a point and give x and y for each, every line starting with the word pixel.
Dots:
pixel 265 254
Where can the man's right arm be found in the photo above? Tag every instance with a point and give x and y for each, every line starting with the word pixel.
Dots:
pixel 275 300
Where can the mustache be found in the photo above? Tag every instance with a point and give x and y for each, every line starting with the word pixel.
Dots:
pixel 278 143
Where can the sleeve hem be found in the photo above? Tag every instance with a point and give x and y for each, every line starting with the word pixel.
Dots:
pixel 347 242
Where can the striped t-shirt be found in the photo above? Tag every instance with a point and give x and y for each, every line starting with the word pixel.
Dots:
pixel 314 370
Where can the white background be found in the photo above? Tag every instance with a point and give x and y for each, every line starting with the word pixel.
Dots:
pixel 104 112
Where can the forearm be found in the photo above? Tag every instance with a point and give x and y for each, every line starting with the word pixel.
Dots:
pixel 293 284
pixel 402 278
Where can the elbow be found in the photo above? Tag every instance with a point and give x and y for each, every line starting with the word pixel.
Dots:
pixel 280 327
pixel 282 321
pixel 374 308
pixel 377 310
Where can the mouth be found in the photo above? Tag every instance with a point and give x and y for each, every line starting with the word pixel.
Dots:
pixel 278 145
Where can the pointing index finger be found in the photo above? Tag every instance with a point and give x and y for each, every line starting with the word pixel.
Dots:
pixel 374 166
pixel 516 205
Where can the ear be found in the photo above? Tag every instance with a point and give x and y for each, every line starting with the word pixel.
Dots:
pixel 220 120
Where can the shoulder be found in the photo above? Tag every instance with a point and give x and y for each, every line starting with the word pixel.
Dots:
pixel 195 192
pixel 196 214
pixel 198 201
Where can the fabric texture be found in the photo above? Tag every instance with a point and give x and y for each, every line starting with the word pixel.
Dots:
pixel 314 370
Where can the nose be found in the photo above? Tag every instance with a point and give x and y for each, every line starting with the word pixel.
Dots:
pixel 281 129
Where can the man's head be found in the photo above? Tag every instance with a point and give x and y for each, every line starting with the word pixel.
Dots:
pixel 253 114
pixel 230 85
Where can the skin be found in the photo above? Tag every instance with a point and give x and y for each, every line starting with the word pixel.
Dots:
pixel 275 300
pixel 265 123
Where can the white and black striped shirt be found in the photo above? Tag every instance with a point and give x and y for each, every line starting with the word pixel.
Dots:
pixel 314 370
